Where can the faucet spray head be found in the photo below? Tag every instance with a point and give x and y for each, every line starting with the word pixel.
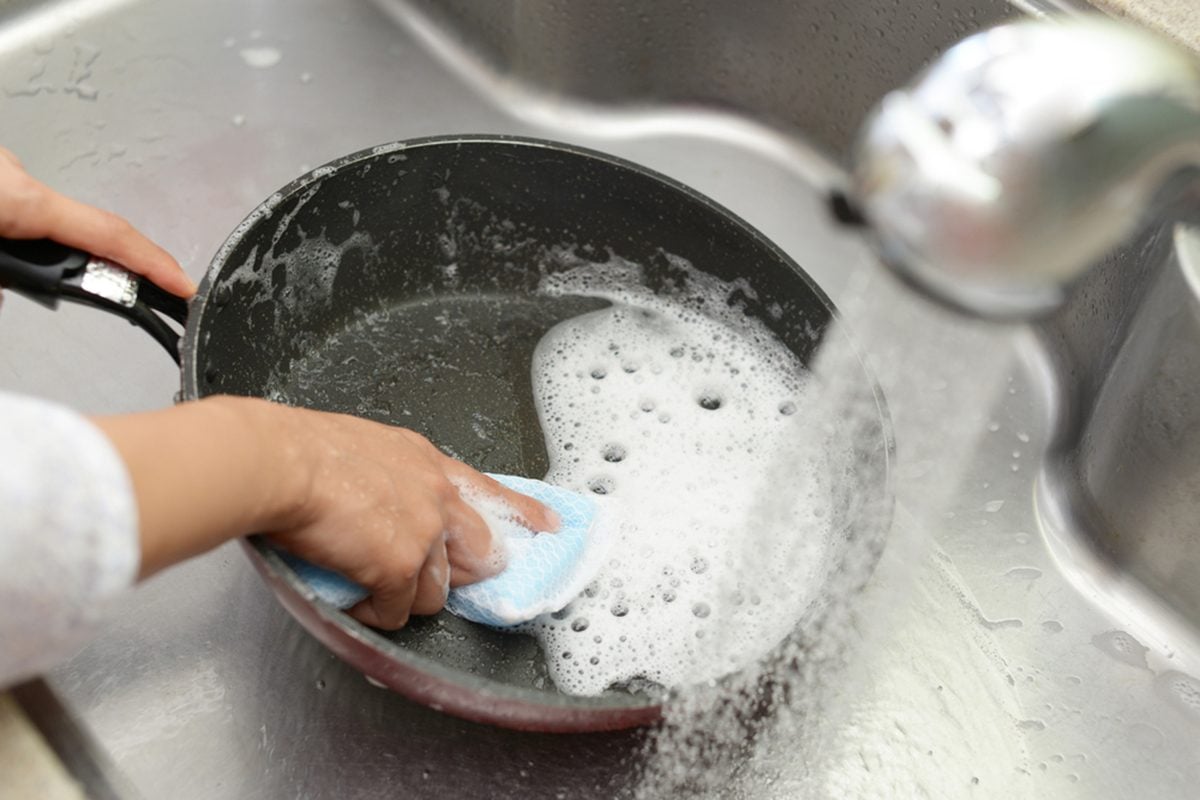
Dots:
pixel 1007 168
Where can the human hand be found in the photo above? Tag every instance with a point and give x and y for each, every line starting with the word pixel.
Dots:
pixel 380 505
pixel 383 507
pixel 31 210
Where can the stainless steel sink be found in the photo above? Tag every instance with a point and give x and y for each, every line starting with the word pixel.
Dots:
pixel 1033 633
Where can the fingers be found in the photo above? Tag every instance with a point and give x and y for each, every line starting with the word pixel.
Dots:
pixel 433 584
pixel 529 512
pixel 469 545
pixel 110 237
pixel 31 210
pixel 388 606
pixel 405 534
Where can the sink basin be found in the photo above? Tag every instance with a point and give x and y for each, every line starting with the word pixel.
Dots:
pixel 1032 629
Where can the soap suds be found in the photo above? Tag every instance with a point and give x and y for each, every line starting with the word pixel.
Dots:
pixel 678 409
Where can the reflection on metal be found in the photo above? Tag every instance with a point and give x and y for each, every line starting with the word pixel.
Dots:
pixel 112 283
pixel 1003 172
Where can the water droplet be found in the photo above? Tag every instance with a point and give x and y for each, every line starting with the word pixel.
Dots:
pixel 701 610
pixel 1123 647
pixel 261 57
pixel 709 402
pixel 579 624
pixel 1024 573
pixel 1183 691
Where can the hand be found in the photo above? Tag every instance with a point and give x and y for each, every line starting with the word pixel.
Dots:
pixel 381 505
pixel 31 210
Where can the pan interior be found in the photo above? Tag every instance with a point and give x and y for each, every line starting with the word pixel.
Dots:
pixel 456 368
pixel 400 284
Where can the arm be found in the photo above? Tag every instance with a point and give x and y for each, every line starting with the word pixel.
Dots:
pixel 376 503
pixel 82 504
pixel 371 501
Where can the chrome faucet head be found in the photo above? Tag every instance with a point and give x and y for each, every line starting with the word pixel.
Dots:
pixel 1022 155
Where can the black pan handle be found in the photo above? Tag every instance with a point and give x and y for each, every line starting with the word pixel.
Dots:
pixel 46 271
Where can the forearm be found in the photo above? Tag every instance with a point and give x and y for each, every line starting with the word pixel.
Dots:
pixel 205 472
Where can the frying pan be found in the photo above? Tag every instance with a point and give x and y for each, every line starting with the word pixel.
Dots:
pixel 400 284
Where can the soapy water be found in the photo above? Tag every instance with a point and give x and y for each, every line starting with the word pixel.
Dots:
pixel 795 723
pixel 672 409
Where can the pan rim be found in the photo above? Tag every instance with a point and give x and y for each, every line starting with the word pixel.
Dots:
pixel 504 704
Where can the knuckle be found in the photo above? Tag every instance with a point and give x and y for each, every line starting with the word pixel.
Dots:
pixel 427 524
pixel 442 487
pixel 406 565
pixel 27 193
pixel 393 573
pixel 373 575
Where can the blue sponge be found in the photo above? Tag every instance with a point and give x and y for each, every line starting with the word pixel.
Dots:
pixel 544 572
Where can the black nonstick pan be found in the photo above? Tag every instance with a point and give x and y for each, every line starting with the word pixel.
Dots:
pixel 400 284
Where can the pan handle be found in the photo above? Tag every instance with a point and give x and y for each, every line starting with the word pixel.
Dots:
pixel 46 272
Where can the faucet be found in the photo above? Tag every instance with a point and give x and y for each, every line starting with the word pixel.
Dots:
pixel 1004 171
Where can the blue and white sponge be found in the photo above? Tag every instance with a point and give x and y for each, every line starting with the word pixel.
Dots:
pixel 543 573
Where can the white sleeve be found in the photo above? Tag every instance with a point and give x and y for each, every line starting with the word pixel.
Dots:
pixel 68 533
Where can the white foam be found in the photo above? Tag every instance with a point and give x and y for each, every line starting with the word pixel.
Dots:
pixel 502 523
pixel 688 417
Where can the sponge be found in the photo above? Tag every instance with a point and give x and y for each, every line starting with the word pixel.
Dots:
pixel 543 573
